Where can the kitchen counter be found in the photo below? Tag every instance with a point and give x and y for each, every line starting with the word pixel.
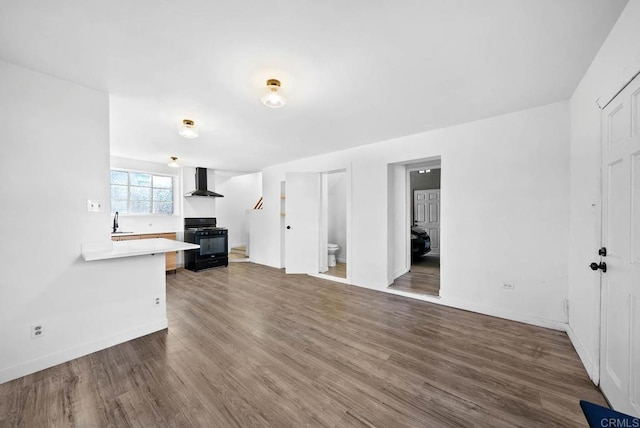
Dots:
pixel 157 232
pixel 134 248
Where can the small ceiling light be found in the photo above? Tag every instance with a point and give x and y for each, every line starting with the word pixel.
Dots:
pixel 173 163
pixel 188 129
pixel 427 170
pixel 421 171
pixel 272 98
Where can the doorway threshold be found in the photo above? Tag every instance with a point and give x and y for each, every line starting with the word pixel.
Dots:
pixel 419 296
pixel 330 278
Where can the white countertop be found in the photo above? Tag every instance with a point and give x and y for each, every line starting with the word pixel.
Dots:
pixel 147 232
pixel 136 247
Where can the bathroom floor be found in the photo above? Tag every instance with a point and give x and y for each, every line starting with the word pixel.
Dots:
pixel 340 270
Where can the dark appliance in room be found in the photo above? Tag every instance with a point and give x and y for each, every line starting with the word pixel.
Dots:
pixel 201 185
pixel 213 241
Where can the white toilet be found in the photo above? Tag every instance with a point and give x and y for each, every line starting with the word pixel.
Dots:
pixel 333 250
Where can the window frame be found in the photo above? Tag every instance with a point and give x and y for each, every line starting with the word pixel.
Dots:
pixel 174 188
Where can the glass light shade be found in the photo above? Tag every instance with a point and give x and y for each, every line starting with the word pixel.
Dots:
pixel 188 129
pixel 173 163
pixel 273 99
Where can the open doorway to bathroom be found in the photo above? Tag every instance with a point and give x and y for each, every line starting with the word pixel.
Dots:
pixel 423 212
pixel 336 196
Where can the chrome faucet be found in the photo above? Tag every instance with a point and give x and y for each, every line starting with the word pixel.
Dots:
pixel 115 222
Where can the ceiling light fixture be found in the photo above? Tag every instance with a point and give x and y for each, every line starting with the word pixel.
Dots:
pixel 188 129
pixel 272 98
pixel 173 163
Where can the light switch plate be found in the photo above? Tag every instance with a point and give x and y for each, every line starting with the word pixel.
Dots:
pixel 94 205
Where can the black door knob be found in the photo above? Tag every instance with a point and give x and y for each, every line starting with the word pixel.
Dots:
pixel 288 227
pixel 596 266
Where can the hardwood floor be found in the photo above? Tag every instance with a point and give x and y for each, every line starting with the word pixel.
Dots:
pixel 424 277
pixel 238 253
pixel 339 270
pixel 248 345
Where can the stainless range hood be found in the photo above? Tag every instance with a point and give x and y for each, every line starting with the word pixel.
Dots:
pixel 201 185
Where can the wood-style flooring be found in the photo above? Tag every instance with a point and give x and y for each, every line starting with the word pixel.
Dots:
pixel 339 270
pixel 238 253
pixel 424 277
pixel 248 346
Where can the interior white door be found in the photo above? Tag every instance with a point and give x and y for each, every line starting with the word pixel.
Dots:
pixel 302 222
pixel 620 298
pixel 426 214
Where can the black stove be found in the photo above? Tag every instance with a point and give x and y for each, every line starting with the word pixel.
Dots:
pixel 213 241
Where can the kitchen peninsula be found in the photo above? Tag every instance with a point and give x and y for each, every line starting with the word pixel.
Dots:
pixel 131 248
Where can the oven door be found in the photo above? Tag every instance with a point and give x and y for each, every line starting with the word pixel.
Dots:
pixel 212 246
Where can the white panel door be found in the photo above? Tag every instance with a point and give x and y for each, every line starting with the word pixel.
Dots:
pixel 620 316
pixel 302 222
pixel 426 214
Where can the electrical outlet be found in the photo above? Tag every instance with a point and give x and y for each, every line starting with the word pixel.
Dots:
pixel 37 331
pixel 94 206
pixel 508 286
pixel 156 302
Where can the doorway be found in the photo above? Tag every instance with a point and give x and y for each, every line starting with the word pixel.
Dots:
pixel 336 219
pixel 422 223
pixel 316 223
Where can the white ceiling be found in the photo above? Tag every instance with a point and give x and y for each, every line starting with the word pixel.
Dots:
pixel 353 71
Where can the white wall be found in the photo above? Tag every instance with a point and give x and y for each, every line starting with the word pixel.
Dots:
pixel 55 156
pixel 397 222
pixel 505 217
pixel 616 62
pixel 241 192
pixel 337 212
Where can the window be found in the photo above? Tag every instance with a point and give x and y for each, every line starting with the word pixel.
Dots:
pixel 141 193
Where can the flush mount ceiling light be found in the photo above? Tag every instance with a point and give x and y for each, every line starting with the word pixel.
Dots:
pixel 188 129
pixel 173 163
pixel 272 98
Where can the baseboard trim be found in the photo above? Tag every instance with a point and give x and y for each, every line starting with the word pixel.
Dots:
pixel 330 278
pixel 587 362
pixel 397 275
pixel 508 315
pixel 69 354
pixel 466 306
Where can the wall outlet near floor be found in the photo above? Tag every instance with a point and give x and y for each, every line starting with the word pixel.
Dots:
pixel 94 206
pixel 37 330
pixel 156 302
pixel 508 286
